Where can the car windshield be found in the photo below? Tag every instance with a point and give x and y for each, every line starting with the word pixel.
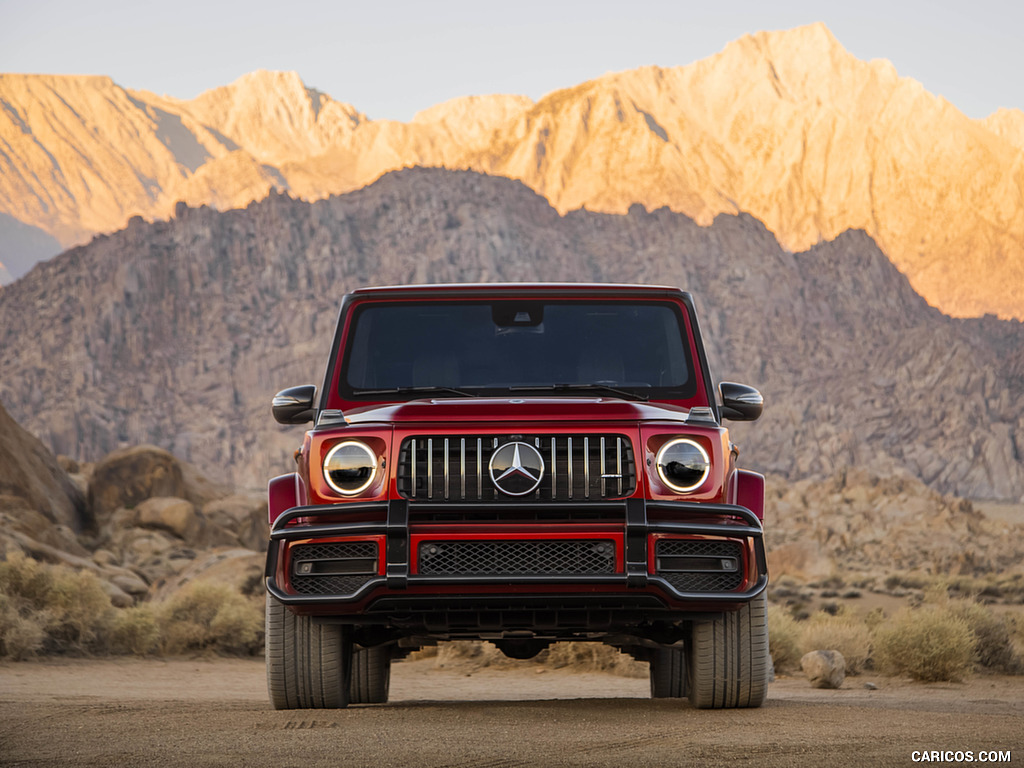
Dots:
pixel 491 348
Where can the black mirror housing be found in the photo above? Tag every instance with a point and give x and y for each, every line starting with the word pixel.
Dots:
pixel 740 402
pixel 295 405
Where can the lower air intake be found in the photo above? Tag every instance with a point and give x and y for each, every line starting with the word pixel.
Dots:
pixel 517 558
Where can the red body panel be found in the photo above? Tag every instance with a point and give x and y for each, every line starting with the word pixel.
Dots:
pixel 283 493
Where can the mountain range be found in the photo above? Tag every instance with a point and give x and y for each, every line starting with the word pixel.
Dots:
pixel 178 333
pixel 786 126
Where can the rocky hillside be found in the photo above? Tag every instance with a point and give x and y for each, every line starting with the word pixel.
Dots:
pixel 786 126
pixel 178 333
pixel 140 520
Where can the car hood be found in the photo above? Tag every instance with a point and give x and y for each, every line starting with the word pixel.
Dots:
pixel 492 409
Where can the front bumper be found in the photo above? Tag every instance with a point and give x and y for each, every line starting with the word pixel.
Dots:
pixel 638 582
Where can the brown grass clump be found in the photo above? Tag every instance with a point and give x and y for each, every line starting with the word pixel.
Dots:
pixel 50 609
pixel 993 641
pixel 840 632
pixel 210 617
pixel 592 657
pixel 579 657
pixel 929 644
pixel 135 632
pixel 21 637
pixel 783 639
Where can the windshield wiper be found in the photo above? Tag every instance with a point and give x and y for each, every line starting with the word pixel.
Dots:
pixel 623 393
pixel 413 390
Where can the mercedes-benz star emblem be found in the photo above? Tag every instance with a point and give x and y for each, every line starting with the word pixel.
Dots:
pixel 516 468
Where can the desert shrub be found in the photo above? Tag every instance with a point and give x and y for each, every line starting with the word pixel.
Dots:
pixel 471 654
pixel 783 639
pixel 21 637
pixel 993 640
pixel 210 617
pixel 837 632
pixel 592 657
pixel 51 609
pixel 24 580
pixel 908 581
pixel 874 619
pixel 578 657
pixel 929 644
pixel 82 611
pixel 134 631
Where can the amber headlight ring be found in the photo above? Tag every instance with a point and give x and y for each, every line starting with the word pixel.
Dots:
pixel 683 465
pixel 350 467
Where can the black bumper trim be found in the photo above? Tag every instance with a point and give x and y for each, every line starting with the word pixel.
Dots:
pixel 638 527
pixel 397 562
pixel 636 542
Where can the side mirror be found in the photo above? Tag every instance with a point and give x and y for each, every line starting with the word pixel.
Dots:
pixel 295 405
pixel 740 402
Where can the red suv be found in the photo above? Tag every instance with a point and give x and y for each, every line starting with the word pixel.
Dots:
pixel 524 464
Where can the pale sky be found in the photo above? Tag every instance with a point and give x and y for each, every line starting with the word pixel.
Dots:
pixel 392 59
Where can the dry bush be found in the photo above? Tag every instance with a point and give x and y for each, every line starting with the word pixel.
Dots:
pixel 83 613
pixel 51 609
pixel 993 640
pixel 874 619
pixel 840 632
pixel 929 644
pixel 135 631
pixel 23 579
pixel 578 657
pixel 21 637
pixel 210 617
pixel 592 657
pixel 469 653
pixel 783 639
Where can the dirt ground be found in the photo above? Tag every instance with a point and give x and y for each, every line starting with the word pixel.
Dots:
pixel 215 713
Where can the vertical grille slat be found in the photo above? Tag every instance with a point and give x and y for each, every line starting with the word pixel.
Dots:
pixel 576 467
pixel 570 463
pixel 604 478
pixel 479 469
pixel 430 469
pixel 462 466
pixel 618 461
pixel 586 467
pixel 447 464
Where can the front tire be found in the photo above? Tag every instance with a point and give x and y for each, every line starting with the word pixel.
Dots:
pixel 668 673
pixel 309 665
pixel 728 658
pixel 371 675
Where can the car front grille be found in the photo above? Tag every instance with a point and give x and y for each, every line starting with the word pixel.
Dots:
pixel 700 565
pixel 586 467
pixel 547 557
pixel 332 568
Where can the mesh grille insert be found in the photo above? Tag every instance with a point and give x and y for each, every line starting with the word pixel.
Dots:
pixel 517 558
pixel 701 579
pixel 336 554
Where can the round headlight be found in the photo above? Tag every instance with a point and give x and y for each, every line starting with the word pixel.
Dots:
pixel 350 467
pixel 683 465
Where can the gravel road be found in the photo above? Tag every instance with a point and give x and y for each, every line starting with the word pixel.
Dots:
pixel 215 713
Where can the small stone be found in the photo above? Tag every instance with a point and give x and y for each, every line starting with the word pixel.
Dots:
pixel 871 686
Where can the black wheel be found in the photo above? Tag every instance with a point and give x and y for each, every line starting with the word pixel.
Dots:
pixel 371 675
pixel 728 659
pixel 309 665
pixel 668 673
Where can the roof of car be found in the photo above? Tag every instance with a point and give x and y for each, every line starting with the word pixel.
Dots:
pixel 518 289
